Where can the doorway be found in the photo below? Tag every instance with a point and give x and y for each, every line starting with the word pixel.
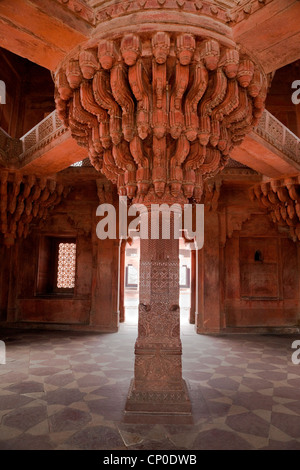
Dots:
pixel 184 281
pixel 131 281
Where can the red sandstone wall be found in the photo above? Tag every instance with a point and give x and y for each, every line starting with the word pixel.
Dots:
pixel 209 281
pixel 94 303
pixel 234 290
pixel 261 293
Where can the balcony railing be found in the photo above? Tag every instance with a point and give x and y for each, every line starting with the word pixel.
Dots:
pixel 50 128
pixel 10 149
pixel 274 132
pixel 42 134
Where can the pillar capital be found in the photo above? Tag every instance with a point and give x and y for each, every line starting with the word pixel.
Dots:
pixel 159 108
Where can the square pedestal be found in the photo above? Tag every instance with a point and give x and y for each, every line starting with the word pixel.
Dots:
pixel 158 406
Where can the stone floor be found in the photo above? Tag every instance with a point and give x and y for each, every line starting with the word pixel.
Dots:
pixel 62 390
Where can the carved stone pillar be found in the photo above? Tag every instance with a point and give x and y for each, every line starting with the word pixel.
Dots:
pixel 159 110
pixel 158 387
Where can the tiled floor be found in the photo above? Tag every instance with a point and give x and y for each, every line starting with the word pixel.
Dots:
pixel 61 390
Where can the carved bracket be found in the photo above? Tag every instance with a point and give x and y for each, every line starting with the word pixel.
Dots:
pixel 24 200
pixel 163 114
pixel 281 198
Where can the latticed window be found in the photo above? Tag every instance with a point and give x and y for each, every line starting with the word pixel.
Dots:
pixel 56 266
pixel 66 265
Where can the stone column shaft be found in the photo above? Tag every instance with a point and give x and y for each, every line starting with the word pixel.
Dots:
pixel 158 387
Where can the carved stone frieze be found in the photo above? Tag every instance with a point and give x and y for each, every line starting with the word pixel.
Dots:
pixel 229 12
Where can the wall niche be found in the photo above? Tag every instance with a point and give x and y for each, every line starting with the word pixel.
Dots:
pixel 259 273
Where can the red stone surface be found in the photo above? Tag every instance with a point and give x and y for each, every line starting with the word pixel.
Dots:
pixel 158 387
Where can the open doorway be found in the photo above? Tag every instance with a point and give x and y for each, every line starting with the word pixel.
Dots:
pixel 184 281
pixel 131 281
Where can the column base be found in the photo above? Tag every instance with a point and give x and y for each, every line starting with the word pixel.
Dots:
pixel 158 406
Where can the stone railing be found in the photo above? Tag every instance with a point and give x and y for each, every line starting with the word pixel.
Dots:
pixel 10 149
pixel 274 132
pixel 269 128
pixel 41 135
pixel 82 163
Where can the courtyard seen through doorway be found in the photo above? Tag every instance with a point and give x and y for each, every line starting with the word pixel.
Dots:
pixel 131 282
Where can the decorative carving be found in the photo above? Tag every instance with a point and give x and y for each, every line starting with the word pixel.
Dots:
pixel 212 194
pixel 142 160
pixel 73 74
pixel 230 62
pixel 160 116
pixel 131 48
pixel 182 150
pixel 103 96
pixel 107 10
pixel 185 48
pixel 62 85
pixel 122 95
pixel 196 156
pixel 244 9
pixel 161 47
pixel 45 132
pixel 107 54
pixel 141 89
pixel 245 72
pixel 213 97
pixel 199 78
pixel 24 200
pixel 211 161
pixel 88 63
pixel 175 114
pixel 210 53
pixel 84 117
pixel 109 168
pixel 81 9
pixel 139 106
pixel 256 83
pixel 274 132
pixel 229 104
pixel 104 192
pixel 124 160
pixel 281 198
pixel 159 173
pixel 89 104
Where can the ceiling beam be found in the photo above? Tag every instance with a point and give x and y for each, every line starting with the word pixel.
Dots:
pixel 258 154
pixel 37 35
pixel 271 34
